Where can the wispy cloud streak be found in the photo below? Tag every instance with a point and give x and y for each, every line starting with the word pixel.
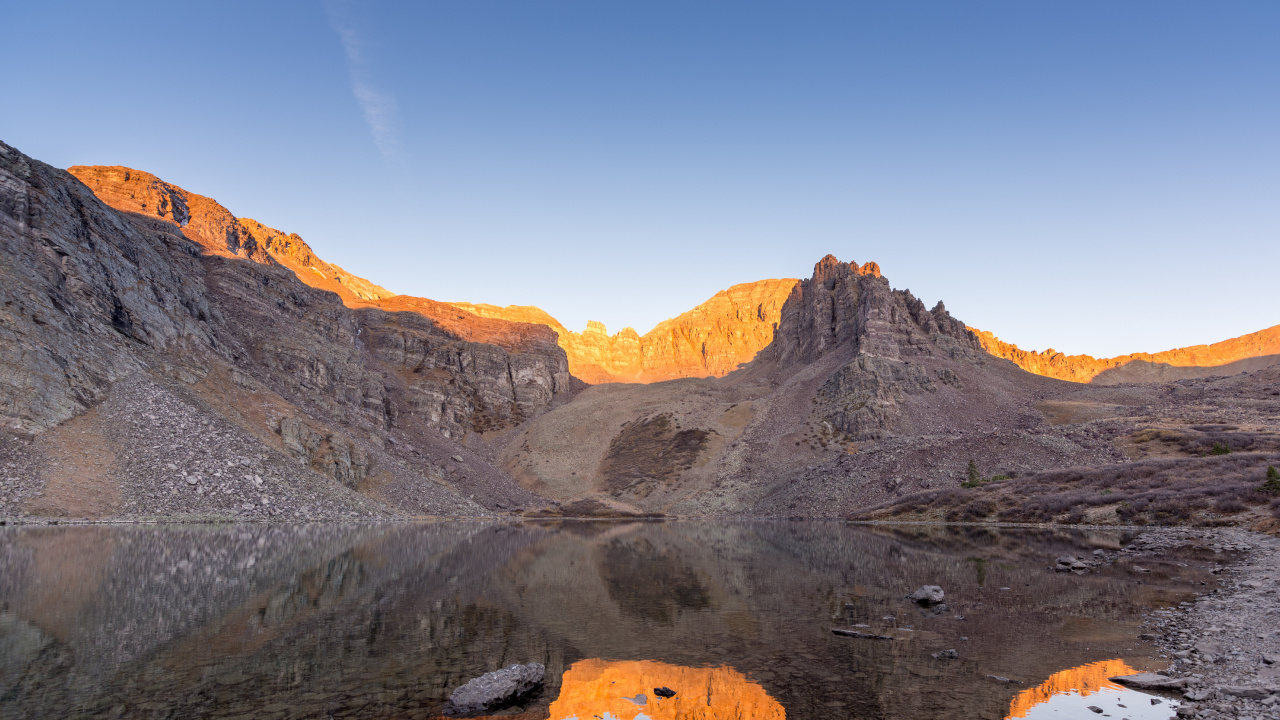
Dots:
pixel 379 108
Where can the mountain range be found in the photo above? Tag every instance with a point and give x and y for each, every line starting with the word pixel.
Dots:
pixel 163 358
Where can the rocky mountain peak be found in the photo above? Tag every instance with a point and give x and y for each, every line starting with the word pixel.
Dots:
pixel 845 304
pixel 884 342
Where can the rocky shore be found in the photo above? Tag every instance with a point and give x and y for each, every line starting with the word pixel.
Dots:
pixel 1224 648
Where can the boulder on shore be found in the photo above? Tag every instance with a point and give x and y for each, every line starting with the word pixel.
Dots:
pixel 927 595
pixel 495 689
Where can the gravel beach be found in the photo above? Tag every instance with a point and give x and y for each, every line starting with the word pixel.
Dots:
pixel 1225 644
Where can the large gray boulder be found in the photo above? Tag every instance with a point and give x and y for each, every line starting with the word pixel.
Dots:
pixel 495 689
pixel 927 595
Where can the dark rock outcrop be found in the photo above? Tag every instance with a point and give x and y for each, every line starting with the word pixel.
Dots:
pixel 852 311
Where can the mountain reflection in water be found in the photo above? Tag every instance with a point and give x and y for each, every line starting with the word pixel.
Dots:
pixel 624 689
pixel 1063 694
pixel 306 621
pixel 1083 680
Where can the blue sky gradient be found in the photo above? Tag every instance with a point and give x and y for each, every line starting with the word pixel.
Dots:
pixel 1093 176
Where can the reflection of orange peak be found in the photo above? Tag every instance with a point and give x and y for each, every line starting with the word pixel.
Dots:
pixel 591 688
pixel 1085 679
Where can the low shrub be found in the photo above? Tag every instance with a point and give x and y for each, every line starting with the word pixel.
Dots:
pixel 1229 506
pixel 978 509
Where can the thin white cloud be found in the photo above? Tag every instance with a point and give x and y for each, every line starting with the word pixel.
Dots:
pixel 380 110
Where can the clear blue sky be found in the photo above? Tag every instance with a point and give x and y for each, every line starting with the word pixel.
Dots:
pixel 1098 177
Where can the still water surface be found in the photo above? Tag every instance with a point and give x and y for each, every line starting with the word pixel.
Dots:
pixel 315 621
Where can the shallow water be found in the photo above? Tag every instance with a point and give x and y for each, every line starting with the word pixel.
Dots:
pixel 298 621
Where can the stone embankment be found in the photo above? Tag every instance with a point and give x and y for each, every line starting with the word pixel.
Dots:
pixel 1225 646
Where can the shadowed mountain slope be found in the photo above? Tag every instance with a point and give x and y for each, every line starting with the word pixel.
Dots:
pixel 185 343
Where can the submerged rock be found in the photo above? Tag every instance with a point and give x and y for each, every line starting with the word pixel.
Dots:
pixel 494 689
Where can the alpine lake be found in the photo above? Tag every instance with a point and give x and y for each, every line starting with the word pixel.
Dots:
pixel 736 618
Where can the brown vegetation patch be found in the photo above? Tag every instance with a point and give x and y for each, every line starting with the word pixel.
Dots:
pixel 1212 490
pixel 1200 440
pixel 650 452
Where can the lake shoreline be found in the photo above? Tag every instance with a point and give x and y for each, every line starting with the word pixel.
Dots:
pixel 1221 643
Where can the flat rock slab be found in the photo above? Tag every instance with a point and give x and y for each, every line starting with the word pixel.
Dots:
pixel 855 633
pixel 1150 681
pixel 1256 693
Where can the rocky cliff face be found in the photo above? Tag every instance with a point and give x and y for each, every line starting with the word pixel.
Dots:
pixel 1229 357
pixel 83 292
pixel 459 373
pixel 711 340
pixel 168 300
